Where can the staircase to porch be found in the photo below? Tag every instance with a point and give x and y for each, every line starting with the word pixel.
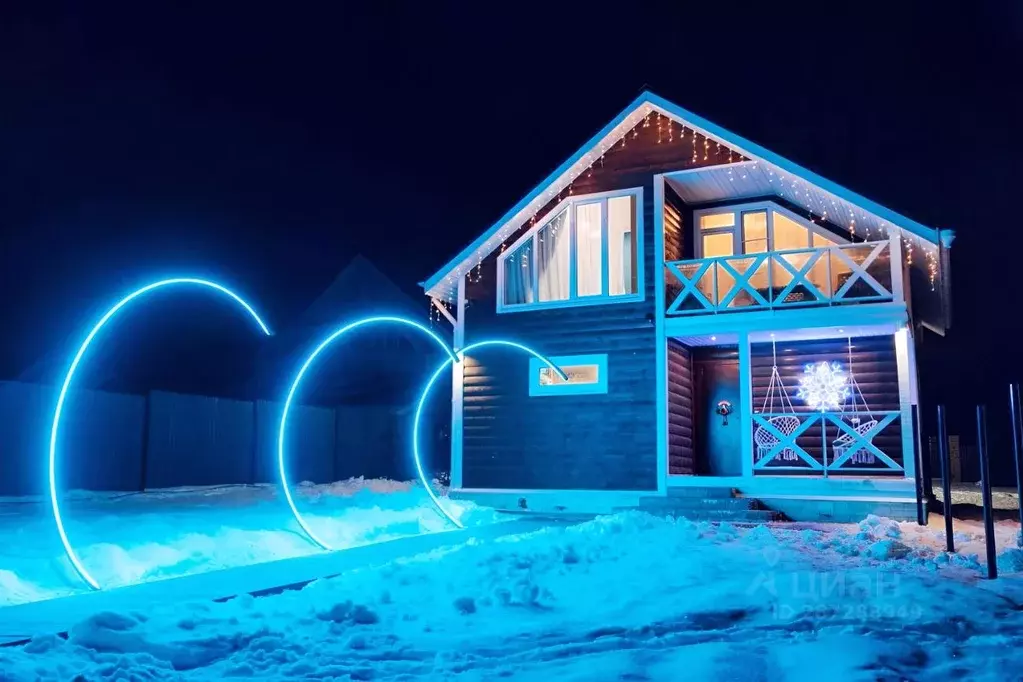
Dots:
pixel 710 503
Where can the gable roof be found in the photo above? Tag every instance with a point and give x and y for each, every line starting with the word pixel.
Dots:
pixel 794 183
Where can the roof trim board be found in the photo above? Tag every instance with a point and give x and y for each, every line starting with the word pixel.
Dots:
pixel 644 104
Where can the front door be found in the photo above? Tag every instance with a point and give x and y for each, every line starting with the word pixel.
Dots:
pixel 718 443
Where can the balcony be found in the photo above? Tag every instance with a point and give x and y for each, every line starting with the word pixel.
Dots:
pixel 836 274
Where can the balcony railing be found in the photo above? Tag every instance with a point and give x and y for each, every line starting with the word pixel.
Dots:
pixel 823 443
pixel 828 275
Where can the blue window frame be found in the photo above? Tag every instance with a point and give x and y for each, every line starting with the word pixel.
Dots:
pixel 587 375
pixel 587 251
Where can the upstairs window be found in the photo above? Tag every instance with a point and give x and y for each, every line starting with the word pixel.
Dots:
pixel 585 252
pixel 756 228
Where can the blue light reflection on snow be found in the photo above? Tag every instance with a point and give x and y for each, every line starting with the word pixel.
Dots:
pixel 62 396
pixel 426 393
pixel 382 319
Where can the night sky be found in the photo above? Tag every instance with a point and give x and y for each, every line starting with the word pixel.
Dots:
pixel 267 147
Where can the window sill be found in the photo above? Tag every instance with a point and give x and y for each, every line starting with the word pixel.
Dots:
pixel 573 303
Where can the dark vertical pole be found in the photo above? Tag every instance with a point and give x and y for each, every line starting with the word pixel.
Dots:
pixel 946 479
pixel 921 503
pixel 1017 447
pixel 985 491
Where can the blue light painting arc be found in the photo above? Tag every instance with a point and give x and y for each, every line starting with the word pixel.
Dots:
pixel 66 385
pixel 416 454
pixel 334 336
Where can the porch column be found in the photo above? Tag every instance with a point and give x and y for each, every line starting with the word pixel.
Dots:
pixel 746 404
pixel 906 364
pixel 457 376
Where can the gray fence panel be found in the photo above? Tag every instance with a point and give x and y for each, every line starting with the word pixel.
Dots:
pixel 195 440
pixel 102 438
pixel 24 433
pixel 100 445
pixel 369 440
pixel 309 446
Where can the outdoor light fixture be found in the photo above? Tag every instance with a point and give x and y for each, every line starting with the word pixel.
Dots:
pixel 298 380
pixel 426 393
pixel 62 396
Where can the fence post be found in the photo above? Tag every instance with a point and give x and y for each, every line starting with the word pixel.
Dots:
pixel 985 491
pixel 1017 450
pixel 946 479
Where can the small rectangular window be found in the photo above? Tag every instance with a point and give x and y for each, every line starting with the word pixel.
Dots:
pixel 587 374
pixel 716 221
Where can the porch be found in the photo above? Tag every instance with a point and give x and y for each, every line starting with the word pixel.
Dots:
pixel 737 412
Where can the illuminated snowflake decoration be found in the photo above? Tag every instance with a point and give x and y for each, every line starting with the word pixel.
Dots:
pixel 823 386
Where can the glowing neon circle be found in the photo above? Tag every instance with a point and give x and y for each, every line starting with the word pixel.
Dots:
pixel 54 429
pixel 426 393
pixel 294 388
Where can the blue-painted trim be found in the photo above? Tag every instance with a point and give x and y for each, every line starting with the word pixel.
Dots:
pixel 569 303
pixel 661 341
pixel 566 362
pixel 740 143
pixel 847 315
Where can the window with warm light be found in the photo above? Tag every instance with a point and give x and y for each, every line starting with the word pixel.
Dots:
pixel 585 252
pixel 587 374
pixel 757 228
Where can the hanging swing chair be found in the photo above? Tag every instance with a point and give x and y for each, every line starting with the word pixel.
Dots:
pixel 862 427
pixel 764 439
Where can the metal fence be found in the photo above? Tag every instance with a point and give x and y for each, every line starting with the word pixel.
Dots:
pixel 112 441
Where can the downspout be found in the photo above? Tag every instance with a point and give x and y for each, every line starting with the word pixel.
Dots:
pixel 945 238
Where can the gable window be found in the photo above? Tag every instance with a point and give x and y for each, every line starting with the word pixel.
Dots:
pixel 584 253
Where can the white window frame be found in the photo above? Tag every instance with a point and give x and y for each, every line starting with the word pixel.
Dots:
pixel 574 300
pixel 738 241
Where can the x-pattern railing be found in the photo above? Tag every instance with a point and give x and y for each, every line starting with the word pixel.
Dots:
pixel 727 283
pixel 844 426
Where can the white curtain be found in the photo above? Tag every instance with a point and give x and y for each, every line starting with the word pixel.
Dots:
pixel 619 245
pixel 589 268
pixel 553 253
pixel 518 275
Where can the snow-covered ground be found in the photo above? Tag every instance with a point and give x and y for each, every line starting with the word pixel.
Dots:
pixel 124 539
pixel 623 597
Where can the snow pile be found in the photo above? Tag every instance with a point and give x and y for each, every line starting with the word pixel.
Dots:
pixel 124 539
pixel 623 597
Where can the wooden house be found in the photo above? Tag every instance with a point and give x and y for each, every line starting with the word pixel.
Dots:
pixel 727 319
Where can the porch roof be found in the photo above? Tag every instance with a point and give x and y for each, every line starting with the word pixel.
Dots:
pixel 764 173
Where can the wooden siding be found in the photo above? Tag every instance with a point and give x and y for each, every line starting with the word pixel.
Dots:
pixel 593 442
pixel 674 239
pixel 874 366
pixel 674 232
pixel 572 442
pixel 681 452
